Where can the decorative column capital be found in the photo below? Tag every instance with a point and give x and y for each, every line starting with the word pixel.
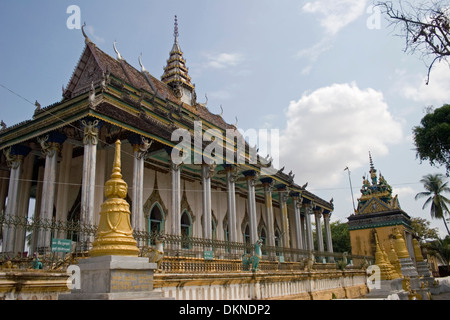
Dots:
pixel 318 212
pixel 15 154
pixel 49 147
pixel 326 215
pixel 268 184
pixel 90 131
pixel 233 173
pixel 140 145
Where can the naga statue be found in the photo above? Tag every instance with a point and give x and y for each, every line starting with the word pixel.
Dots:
pixel 253 261
pixel 37 265
pixel 156 254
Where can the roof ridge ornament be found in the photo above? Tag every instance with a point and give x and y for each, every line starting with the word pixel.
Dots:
pixel 86 38
pixel 140 63
pixel 119 57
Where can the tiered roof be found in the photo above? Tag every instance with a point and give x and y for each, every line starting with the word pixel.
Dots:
pixel 176 73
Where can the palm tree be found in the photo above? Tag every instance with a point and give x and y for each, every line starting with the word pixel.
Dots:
pixel 435 185
pixel 440 248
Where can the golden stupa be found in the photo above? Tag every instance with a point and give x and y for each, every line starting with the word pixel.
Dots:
pixel 393 258
pixel 386 269
pixel 115 235
pixel 400 245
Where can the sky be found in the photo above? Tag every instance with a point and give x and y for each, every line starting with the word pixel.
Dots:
pixel 331 75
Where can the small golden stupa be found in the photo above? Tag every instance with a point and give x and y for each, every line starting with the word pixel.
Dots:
pixel 393 258
pixel 386 270
pixel 400 245
pixel 417 251
pixel 114 234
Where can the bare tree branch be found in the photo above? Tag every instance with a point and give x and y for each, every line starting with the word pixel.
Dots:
pixel 425 27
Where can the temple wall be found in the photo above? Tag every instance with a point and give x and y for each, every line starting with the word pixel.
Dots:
pixel 314 285
pixel 32 285
pixel 363 241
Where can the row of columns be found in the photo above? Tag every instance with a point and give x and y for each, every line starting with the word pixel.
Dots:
pixel 51 145
pixel 302 221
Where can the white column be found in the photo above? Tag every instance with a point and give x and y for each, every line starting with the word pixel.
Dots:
pixel 268 186
pixel 90 141
pixel 176 198
pixel 302 226
pixel 62 203
pixel 250 176
pixel 137 212
pixel 309 234
pixel 15 164
pixel 50 150
pixel 298 230
pixel 24 201
pixel 329 241
pixel 4 182
pixel 283 193
pixel 206 198
pixel 318 215
pixel 231 203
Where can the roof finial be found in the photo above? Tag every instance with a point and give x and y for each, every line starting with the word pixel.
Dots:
pixel 370 159
pixel 175 31
pixel 140 63
pixel 86 38
pixel 119 57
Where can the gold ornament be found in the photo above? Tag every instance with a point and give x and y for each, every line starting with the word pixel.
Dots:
pixel 114 234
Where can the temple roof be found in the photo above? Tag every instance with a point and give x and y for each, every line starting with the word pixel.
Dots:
pixel 129 98
pixel 376 194
pixel 176 72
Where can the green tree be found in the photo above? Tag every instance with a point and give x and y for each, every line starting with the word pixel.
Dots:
pixel 432 137
pixel 422 228
pixel 441 249
pixel 340 236
pixel 435 186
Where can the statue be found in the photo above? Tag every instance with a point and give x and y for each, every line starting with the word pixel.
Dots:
pixel 253 260
pixel 156 254
pixel 342 264
pixel 366 186
pixel 36 263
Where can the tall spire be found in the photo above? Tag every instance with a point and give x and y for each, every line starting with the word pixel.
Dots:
pixel 176 73
pixel 175 31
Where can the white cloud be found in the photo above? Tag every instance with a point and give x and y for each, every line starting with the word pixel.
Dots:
pixel 334 127
pixel 223 60
pixel 404 192
pixel 336 14
pixel 436 92
pixel 313 53
pixel 90 29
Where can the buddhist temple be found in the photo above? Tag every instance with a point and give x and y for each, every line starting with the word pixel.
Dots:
pixel 62 156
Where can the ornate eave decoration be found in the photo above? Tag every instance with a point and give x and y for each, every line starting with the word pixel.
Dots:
pixel 154 197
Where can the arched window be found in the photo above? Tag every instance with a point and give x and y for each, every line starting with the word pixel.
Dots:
pixel 247 238
pixel 186 230
pixel 155 221
pixel 263 237
pixel 277 241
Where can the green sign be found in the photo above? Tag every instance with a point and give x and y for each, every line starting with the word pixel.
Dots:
pixel 208 255
pixel 281 259
pixel 61 245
